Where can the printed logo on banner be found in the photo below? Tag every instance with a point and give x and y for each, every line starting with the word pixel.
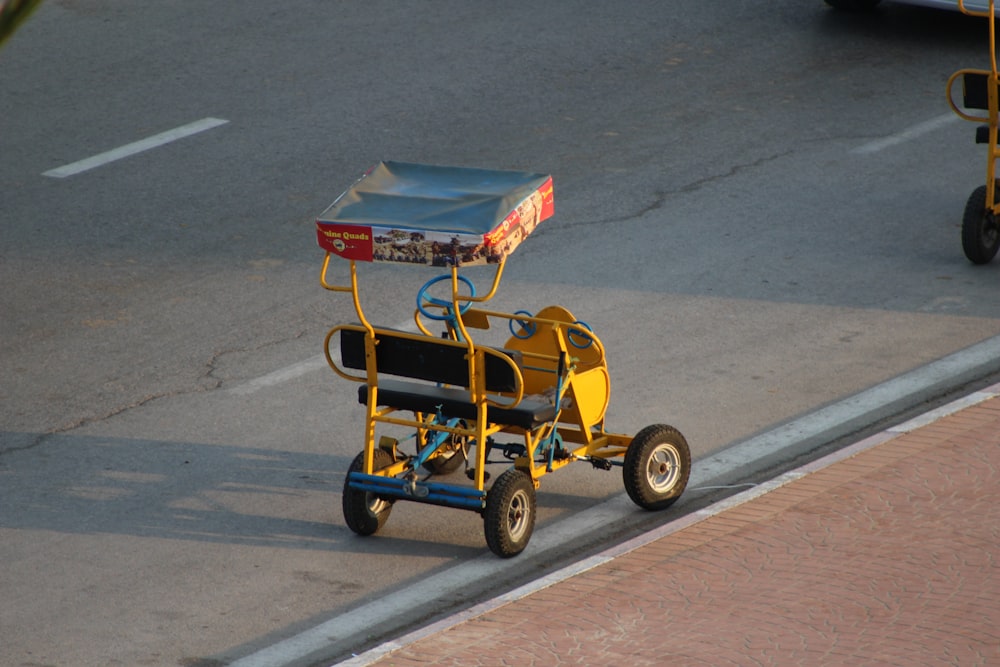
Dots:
pixel 347 241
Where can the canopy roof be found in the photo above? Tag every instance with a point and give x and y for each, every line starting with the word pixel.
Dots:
pixel 427 214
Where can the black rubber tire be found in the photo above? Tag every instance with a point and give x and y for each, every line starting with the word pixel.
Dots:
pixel 657 467
pixel 364 512
pixel 853 5
pixel 980 233
pixel 509 518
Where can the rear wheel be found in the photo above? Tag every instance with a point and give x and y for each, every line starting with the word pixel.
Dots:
pixel 657 467
pixel 364 512
pixel 510 513
pixel 980 233
pixel 451 454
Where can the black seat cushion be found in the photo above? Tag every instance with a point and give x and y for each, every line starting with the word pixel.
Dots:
pixel 453 402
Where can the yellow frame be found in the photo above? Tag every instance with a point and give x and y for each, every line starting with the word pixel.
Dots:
pixel 585 385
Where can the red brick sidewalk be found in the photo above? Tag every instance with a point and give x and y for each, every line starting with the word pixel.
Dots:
pixel 890 556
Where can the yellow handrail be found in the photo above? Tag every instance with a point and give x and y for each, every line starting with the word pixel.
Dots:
pixel 352 288
pixel 972 12
pixel 951 98
pixel 329 357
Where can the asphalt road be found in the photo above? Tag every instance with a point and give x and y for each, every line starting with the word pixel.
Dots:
pixel 757 209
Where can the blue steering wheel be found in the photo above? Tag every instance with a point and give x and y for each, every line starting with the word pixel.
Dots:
pixel 526 325
pixel 424 298
pixel 583 335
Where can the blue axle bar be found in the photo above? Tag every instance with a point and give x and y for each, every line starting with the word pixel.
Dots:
pixel 448 495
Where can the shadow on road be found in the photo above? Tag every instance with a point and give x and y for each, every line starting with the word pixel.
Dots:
pixel 178 490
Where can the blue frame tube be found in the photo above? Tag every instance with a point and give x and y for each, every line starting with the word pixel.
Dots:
pixel 448 495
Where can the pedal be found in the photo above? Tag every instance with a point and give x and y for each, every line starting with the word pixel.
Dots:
pixel 513 450
pixel 600 464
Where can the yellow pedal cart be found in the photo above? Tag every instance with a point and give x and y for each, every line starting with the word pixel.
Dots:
pixel 438 401
pixel 981 219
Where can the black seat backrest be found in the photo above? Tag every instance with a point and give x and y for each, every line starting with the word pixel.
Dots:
pixel 428 359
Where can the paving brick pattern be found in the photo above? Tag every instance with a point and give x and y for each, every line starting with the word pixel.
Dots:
pixel 890 557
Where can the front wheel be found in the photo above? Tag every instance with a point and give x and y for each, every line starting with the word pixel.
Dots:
pixel 657 467
pixel 364 512
pixel 510 513
pixel 980 234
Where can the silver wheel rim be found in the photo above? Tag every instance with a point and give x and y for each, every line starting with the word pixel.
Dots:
pixel 375 504
pixel 663 468
pixel 518 513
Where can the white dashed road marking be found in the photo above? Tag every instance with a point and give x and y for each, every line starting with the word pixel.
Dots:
pixel 135 147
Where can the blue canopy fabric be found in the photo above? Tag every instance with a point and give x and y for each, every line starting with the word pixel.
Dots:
pixel 428 214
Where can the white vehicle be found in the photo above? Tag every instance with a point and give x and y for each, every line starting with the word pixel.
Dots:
pixel 860 5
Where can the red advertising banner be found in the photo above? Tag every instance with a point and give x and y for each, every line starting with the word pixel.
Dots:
pixel 439 216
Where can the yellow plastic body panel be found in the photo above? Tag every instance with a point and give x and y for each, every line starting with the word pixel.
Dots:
pixel 554 330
